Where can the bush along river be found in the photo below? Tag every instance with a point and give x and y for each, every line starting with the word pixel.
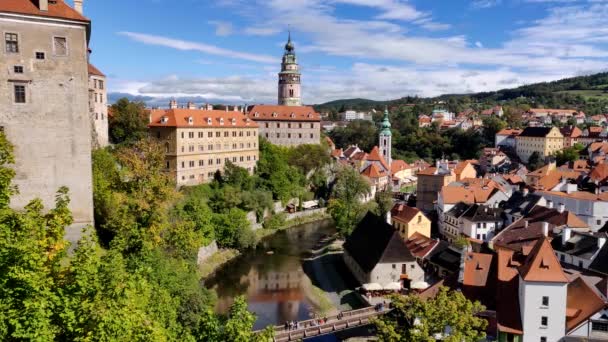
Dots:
pixel 294 274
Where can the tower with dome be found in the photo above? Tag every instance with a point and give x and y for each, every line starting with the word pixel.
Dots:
pixel 290 93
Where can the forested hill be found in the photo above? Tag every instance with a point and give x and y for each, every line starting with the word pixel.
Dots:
pixel 587 93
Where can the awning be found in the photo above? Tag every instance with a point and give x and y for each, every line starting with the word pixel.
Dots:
pixel 393 286
pixel 310 204
pixel 372 287
pixel 419 285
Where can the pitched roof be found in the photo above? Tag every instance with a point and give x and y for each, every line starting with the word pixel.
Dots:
pixel 538 132
pixel 403 212
pixel 599 264
pixel 398 165
pixel 476 269
pixel 581 245
pixel 59 9
pixel 582 302
pixel 579 195
pixel 507 309
pixel 94 71
pixel 509 131
pixel 599 173
pixel 374 241
pixel 598 146
pixel 420 245
pixel 481 213
pixel 350 151
pixel 200 118
pixel 283 113
pixel 461 166
pixel 445 256
pixel 336 153
pixel 571 131
pixel 373 171
pixel 374 155
pixel 542 265
pixel 472 193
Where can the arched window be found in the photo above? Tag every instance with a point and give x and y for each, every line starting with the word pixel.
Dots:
pixel 290 92
pixel 167 148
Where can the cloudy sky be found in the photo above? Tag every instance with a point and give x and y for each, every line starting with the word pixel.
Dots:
pixel 228 51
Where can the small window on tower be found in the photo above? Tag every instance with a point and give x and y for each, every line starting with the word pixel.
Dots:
pixel 290 92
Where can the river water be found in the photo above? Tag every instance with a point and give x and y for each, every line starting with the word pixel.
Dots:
pixel 272 277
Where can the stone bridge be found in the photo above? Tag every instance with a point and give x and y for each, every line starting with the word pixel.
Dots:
pixel 311 328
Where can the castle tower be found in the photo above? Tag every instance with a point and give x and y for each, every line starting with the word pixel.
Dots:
pixel 289 78
pixel 385 140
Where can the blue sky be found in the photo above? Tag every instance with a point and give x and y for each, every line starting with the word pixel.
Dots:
pixel 228 51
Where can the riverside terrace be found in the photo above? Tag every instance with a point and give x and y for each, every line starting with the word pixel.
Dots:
pixel 310 328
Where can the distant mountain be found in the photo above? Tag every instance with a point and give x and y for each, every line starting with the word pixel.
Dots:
pixel 584 92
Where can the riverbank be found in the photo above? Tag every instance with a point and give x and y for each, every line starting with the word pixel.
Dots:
pixel 217 260
pixel 224 256
pixel 263 233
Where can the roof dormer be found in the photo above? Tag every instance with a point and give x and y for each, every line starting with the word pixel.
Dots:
pixel 164 120
pixel 233 121
pixel 190 120
pixel 221 121
pixel 309 115
pixel 274 114
pixel 209 122
pixel 256 114
pixel 292 115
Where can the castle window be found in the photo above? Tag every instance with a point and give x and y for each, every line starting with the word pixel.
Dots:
pixel 100 84
pixel 544 321
pixel 545 301
pixel 18 69
pixel 190 120
pixel 40 55
pixel 290 92
pixel 60 46
pixel 12 42
pixel 19 93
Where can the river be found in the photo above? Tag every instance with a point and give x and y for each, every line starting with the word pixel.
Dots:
pixel 274 280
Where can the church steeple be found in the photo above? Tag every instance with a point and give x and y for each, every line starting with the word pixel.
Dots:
pixel 385 139
pixel 289 77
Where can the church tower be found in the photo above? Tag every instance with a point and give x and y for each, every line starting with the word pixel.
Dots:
pixel 289 78
pixel 385 140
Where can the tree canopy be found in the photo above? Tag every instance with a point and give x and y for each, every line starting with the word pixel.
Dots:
pixel 128 121
pixel 449 315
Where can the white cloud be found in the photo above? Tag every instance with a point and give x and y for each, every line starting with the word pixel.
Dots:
pixel 478 44
pixel 479 4
pixel 222 28
pixel 262 31
pixel 194 46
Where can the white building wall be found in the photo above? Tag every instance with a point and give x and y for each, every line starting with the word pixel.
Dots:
pixel 532 310
pixel 594 213
pixel 385 273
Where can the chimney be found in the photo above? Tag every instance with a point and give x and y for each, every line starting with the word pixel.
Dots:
pixel 561 207
pixel 550 204
pixel 173 104
pixel 546 229
pixel 526 223
pixel 77 5
pixel 191 105
pixel 566 234
pixel 43 5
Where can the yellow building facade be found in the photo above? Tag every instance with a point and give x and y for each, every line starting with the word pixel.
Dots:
pixel 408 221
pixel 198 142
pixel 545 141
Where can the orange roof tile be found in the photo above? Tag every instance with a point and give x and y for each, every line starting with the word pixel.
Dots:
pixel 582 302
pixel 542 265
pixel 336 153
pixel 476 269
pixel 420 245
pixel 599 173
pixel 59 9
pixel 403 212
pixel 284 113
pixel 374 155
pixel 200 118
pixel 372 171
pixel 509 131
pixel 398 165
pixel 94 71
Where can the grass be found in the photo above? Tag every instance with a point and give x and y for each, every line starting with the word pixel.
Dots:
pixel 216 261
pixel 262 233
pixel 323 305
pixel 587 94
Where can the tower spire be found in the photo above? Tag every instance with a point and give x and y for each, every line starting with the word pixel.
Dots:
pixel 386 138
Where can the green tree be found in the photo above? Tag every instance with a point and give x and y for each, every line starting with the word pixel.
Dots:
pixel 416 320
pixel 384 201
pixel 568 154
pixel 128 122
pixel 345 205
pixel 232 229
pixel 359 132
pixel 535 161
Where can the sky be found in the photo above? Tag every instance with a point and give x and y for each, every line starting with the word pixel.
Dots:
pixel 229 51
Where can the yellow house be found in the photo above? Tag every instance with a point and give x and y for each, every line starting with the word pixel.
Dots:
pixel 408 221
pixel 544 140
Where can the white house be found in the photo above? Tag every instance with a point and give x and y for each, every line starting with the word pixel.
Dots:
pixel 376 253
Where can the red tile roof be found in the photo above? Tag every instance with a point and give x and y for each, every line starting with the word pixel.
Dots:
pixel 284 113
pixel 201 118
pixel 398 165
pixel 582 302
pixel 372 171
pixel 59 9
pixel 403 212
pixel 374 155
pixel 599 173
pixel 476 269
pixel 420 245
pixel 337 153
pixel 94 71
pixel 542 265
pixel 509 131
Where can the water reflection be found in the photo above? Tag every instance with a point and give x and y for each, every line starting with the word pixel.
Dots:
pixel 272 278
